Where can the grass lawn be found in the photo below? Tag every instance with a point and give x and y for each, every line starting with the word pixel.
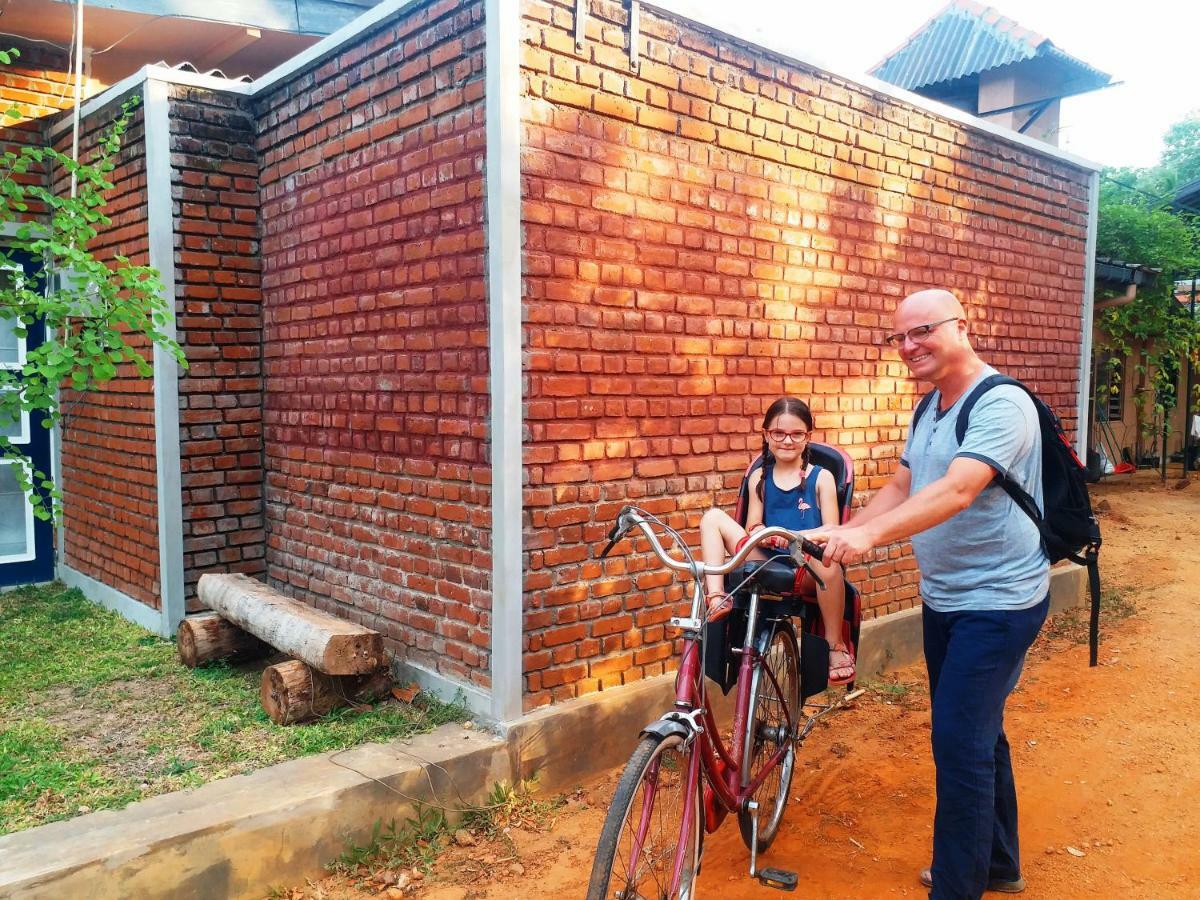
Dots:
pixel 96 713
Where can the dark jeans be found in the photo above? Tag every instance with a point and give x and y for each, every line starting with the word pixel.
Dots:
pixel 974 660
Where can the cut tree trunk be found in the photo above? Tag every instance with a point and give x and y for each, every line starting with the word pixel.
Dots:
pixel 327 643
pixel 295 692
pixel 205 637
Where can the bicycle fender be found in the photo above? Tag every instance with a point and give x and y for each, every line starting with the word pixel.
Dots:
pixel 664 728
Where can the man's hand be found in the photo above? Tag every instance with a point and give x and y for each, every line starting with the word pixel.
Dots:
pixel 845 544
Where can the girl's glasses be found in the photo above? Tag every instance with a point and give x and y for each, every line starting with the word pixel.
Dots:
pixel 780 436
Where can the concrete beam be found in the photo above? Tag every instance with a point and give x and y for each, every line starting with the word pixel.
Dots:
pixel 243 836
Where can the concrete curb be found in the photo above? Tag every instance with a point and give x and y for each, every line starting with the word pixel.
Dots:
pixel 895 641
pixel 242 836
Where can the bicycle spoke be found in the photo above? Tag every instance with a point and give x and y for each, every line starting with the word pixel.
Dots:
pixel 649 839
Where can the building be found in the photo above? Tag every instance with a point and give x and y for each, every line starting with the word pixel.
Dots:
pixel 971 57
pixel 462 279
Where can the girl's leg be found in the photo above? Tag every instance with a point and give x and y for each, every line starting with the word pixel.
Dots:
pixel 719 534
pixel 832 602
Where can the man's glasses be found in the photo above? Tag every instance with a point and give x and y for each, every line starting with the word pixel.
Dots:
pixel 780 436
pixel 917 335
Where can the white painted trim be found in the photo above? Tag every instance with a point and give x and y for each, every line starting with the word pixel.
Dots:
pixel 161 233
pixel 30 537
pixel 110 598
pixel 1083 425
pixel 22 436
pixel 60 527
pixel 718 17
pixel 478 701
pixel 328 45
pixel 22 344
pixel 157 73
pixel 10 229
pixel 729 19
pixel 502 168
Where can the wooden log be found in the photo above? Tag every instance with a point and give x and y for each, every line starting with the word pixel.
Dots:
pixel 327 643
pixel 295 692
pixel 206 636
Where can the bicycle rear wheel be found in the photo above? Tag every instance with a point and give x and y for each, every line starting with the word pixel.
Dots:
pixel 640 841
pixel 775 687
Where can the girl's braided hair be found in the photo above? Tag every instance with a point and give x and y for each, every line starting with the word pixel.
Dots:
pixel 783 406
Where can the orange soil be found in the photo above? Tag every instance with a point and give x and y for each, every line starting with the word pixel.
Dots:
pixel 1107 761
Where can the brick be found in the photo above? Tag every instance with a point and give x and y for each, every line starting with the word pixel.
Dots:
pixel 754 249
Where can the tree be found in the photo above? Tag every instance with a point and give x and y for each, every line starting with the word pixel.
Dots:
pixel 97 315
pixel 1181 154
pixel 1140 223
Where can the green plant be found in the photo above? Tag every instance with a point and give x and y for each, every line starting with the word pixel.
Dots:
pixel 118 719
pixel 1140 223
pixel 415 844
pixel 98 316
pixel 510 805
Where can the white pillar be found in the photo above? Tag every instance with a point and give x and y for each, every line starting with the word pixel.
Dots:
pixel 1085 339
pixel 503 215
pixel 161 229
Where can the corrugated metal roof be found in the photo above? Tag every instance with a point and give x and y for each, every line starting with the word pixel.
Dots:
pixel 965 39
pixel 1189 194
pixel 1117 271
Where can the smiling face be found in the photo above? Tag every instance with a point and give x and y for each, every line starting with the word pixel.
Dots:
pixel 792 446
pixel 945 349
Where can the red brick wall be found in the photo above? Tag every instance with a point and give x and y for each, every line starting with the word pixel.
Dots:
pixel 37 85
pixel 721 228
pixel 109 476
pixel 375 336
pixel 218 308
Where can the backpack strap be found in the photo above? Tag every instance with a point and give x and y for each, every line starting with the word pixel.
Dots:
pixel 920 410
pixel 960 427
pixel 1091 560
pixel 1019 495
pixel 1091 555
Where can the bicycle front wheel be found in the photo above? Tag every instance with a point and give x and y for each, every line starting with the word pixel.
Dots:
pixel 774 702
pixel 642 845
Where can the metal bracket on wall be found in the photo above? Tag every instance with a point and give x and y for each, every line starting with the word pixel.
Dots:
pixel 581 7
pixel 635 21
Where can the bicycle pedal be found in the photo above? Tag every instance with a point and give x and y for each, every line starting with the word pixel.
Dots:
pixel 779 879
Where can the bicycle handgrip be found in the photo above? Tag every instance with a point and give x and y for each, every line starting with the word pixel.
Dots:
pixel 814 550
pixel 614 534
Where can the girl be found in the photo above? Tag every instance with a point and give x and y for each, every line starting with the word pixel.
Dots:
pixel 789 491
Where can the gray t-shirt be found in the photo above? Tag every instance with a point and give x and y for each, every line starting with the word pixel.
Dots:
pixel 989 556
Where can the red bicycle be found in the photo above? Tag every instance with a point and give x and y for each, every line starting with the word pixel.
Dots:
pixel 683 779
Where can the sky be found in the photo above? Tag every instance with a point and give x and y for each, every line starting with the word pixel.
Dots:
pixel 1149 45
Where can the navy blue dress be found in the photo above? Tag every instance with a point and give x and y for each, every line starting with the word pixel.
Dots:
pixel 796 509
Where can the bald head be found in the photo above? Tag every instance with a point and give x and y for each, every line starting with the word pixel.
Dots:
pixel 930 306
pixel 937 347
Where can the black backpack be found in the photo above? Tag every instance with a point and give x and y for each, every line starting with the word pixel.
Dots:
pixel 1069 530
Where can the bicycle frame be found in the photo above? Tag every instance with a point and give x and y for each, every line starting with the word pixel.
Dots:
pixel 690 700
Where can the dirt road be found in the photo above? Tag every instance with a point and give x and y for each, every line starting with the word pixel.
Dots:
pixel 1107 760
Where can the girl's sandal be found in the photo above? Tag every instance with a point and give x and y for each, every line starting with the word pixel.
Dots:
pixel 841 666
pixel 719 606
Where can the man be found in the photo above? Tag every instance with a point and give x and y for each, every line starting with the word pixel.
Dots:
pixel 984 584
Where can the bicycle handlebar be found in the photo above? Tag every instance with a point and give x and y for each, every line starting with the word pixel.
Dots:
pixel 631 517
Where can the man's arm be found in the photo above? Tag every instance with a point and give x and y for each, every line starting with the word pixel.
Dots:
pixel 930 506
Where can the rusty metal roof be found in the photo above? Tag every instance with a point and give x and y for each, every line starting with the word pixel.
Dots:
pixel 966 38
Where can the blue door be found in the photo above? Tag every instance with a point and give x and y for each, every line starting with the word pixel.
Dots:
pixel 26 542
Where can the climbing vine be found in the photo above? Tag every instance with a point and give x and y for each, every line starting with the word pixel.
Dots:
pixel 99 316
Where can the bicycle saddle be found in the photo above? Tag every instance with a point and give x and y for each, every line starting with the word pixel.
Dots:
pixel 778 576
